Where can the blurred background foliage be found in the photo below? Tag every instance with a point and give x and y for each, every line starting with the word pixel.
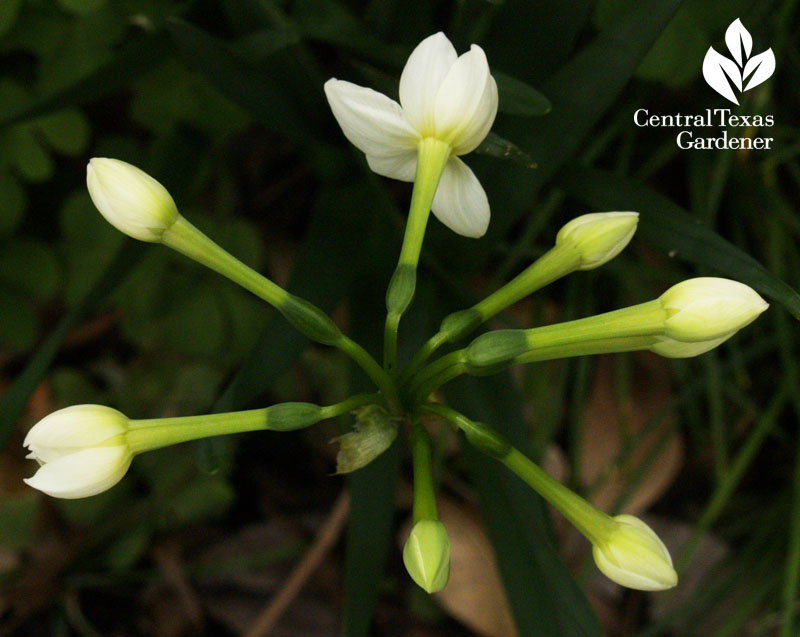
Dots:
pixel 222 101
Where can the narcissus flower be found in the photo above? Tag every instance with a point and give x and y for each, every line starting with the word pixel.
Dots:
pixel 634 556
pixel 426 555
pixel 708 308
pixel 443 96
pixel 83 451
pixel 599 236
pixel 130 199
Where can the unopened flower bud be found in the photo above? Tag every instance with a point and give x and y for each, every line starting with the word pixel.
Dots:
pixel 599 236
pixel 426 555
pixel 670 348
pixel 130 199
pixel 634 556
pixel 82 450
pixel 708 308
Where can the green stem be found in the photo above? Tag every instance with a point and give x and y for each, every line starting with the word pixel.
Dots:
pixel 185 238
pixel 424 493
pixel 554 264
pixel 146 435
pixel 592 523
pixel 432 156
pixel 385 383
pixel 741 462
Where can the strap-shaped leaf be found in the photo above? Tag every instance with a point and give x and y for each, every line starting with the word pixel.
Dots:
pixel 135 58
pixel 543 596
pixel 665 224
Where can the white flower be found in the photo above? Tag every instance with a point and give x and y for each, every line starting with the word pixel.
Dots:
pixel 443 96
pixel 83 451
pixel 130 199
pixel 708 308
pixel 599 236
pixel 634 556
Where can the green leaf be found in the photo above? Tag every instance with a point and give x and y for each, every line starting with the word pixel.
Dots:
pixel 81 7
pixel 243 84
pixel 19 323
pixel 13 401
pixel 496 146
pixel 9 9
pixel 18 518
pixel 29 267
pixel 133 59
pixel 518 98
pixel 12 194
pixel 668 226
pixel 129 547
pixel 544 598
pixel 66 131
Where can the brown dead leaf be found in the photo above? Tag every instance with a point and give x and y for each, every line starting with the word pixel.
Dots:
pixel 474 595
pixel 607 426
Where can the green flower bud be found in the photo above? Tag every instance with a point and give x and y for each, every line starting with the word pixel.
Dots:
pixel 708 308
pixel 130 199
pixel 496 347
pixel 426 555
pixel 633 555
pixel 599 236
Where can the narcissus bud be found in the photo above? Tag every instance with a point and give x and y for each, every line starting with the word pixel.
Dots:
pixel 426 555
pixel 599 236
pixel 708 308
pixel 82 450
pixel 670 348
pixel 633 555
pixel 130 199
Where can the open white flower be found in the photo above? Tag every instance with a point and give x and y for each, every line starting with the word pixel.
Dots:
pixel 83 450
pixel 443 96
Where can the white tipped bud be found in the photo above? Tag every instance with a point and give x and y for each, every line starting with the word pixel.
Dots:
pixel 83 451
pixel 671 348
pixel 599 236
pixel 709 308
pixel 130 199
pixel 426 555
pixel 634 556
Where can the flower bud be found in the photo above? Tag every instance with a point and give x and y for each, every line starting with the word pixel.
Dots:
pixel 708 308
pixel 599 236
pixel 130 199
pixel 82 451
pixel 426 555
pixel 633 555
pixel 670 348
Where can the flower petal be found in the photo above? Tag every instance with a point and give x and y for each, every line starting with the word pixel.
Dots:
pixel 466 103
pixel 422 76
pixel 83 473
pixel 402 166
pixel 460 202
pixel 480 125
pixel 370 120
pixel 78 426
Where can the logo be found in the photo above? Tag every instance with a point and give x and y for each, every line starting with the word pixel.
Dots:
pixel 744 71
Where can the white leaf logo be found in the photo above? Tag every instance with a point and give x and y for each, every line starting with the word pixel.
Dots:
pixel 744 71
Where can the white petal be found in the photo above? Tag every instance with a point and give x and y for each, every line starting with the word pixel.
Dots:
pixel 370 120
pixel 402 166
pixel 462 105
pixel 83 473
pixel 71 428
pixel 422 76
pixel 460 202
pixel 472 136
